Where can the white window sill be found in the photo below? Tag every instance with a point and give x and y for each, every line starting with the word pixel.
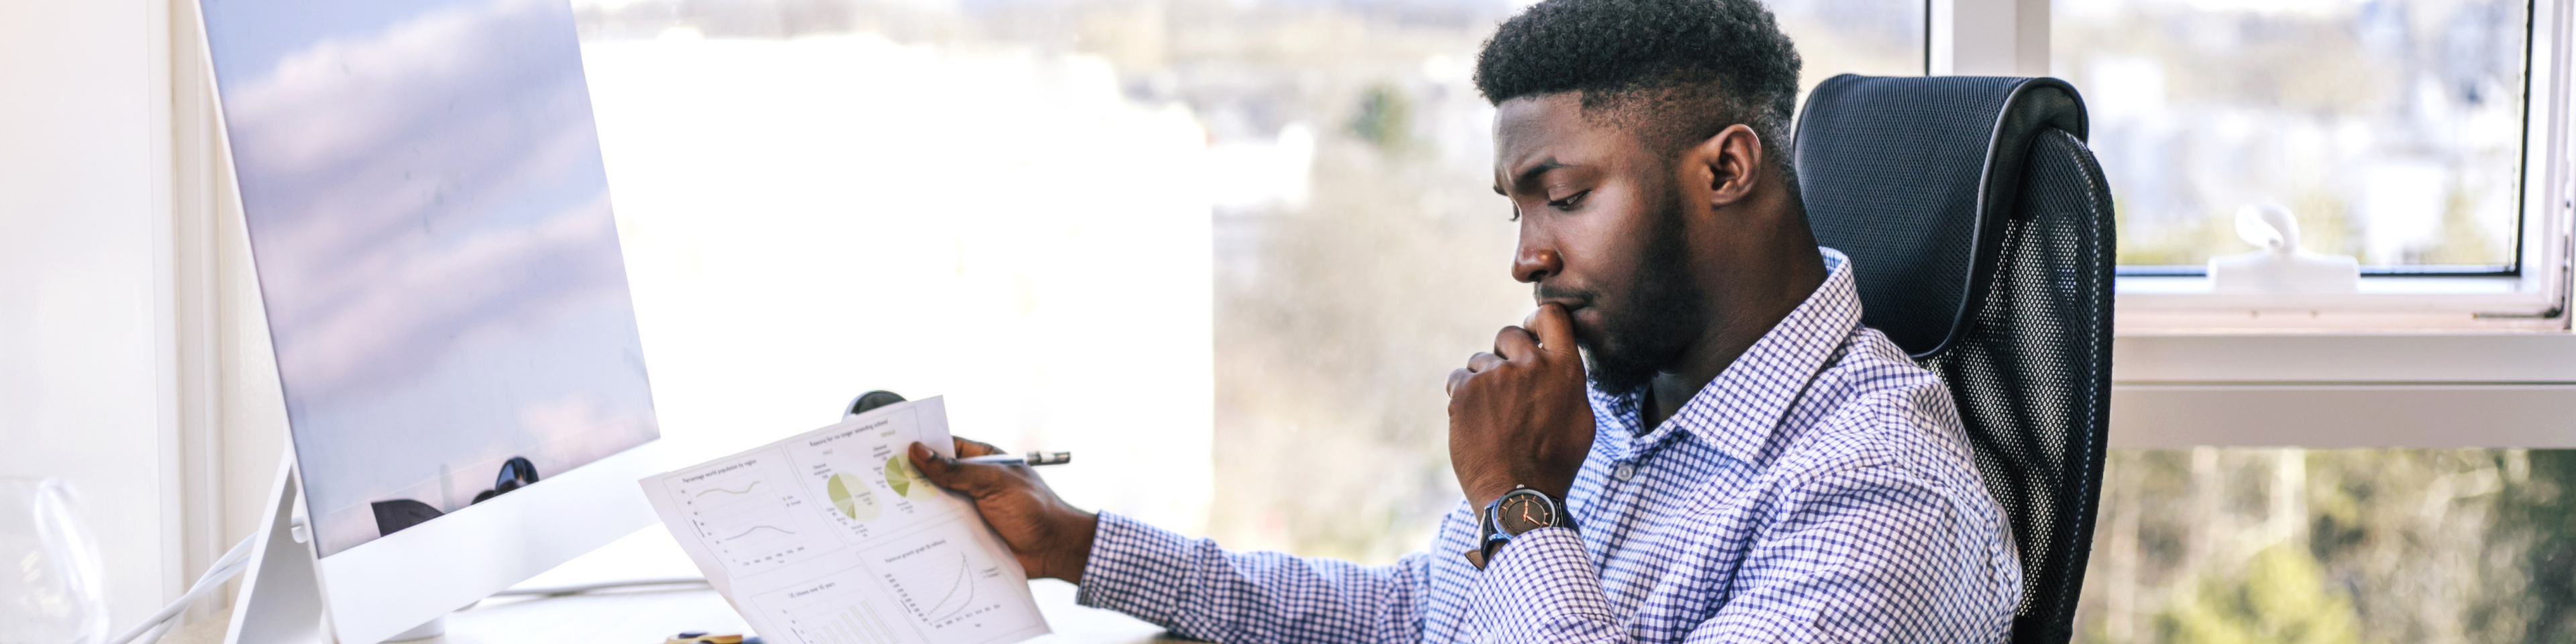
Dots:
pixel 2330 390
pixel 2374 285
pixel 2157 305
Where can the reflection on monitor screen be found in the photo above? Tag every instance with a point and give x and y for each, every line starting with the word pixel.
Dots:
pixel 430 222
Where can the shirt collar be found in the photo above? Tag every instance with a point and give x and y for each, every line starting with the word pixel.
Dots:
pixel 1737 412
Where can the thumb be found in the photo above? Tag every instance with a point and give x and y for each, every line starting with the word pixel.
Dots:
pixel 1555 331
pixel 972 479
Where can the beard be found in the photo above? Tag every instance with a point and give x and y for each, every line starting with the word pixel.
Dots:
pixel 1647 325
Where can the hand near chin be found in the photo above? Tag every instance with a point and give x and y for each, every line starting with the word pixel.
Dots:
pixel 1520 414
pixel 1051 538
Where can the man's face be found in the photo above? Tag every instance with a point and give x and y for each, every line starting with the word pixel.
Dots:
pixel 1601 233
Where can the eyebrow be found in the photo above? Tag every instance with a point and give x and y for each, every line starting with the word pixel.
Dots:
pixel 1530 174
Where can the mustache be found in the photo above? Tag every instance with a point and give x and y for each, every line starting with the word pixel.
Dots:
pixel 1574 297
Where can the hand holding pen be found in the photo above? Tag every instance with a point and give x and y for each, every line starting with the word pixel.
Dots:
pixel 1050 537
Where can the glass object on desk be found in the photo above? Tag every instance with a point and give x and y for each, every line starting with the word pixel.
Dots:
pixel 2394 128
pixel 50 576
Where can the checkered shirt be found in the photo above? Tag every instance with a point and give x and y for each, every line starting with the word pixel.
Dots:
pixel 1819 490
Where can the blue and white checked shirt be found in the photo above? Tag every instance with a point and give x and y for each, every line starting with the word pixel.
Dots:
pixel 1819 490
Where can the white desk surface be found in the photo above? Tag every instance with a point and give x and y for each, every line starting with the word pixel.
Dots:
pixel 648 616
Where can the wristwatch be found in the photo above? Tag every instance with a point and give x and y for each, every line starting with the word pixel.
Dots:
pixel 1513 514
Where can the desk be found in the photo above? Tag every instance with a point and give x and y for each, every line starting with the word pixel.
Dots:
pixel 647 616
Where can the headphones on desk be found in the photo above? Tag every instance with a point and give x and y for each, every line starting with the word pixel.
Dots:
pixel 871 400
pixel 515 473
pixel 392 515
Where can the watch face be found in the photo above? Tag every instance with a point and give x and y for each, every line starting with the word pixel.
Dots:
pixel 1520 513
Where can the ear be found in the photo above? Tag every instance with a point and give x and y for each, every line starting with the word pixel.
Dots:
pixel 1725 167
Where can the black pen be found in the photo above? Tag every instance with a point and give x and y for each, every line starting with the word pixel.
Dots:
pixel 1030 459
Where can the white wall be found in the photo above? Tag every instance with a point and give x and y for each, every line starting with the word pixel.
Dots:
pixel 84 276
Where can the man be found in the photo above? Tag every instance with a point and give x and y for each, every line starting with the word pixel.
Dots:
pixel 1748 463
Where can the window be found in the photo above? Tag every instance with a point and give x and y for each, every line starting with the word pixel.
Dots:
pixel 2401 132
pixel 2392 128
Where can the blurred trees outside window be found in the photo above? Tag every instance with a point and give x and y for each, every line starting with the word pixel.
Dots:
pixel 2231 545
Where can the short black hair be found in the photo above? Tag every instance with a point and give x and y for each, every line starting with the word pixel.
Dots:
pixel 1674 72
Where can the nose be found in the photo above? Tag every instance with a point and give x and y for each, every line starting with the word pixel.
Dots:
pixel 1534 260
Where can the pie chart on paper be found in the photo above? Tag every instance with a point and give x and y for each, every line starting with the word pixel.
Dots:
pixel 852 497
pixel 907 482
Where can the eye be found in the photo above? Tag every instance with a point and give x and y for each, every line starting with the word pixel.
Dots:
pixel 1570 201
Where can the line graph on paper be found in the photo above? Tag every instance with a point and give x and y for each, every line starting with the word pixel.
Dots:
pixel 747 517
pixel 941 580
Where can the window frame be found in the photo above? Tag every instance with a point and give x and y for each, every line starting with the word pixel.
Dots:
pixel 2534 298
pixel 2012 37
pixel 2411 361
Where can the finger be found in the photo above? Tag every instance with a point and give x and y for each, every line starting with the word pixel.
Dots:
pixel 1516 343
pixel 1456 378
pixel 1555 330
pixel 967 448
pixel 971 478
pixel 1482 362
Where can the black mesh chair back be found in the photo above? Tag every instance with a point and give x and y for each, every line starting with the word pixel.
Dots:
pixel 1981 233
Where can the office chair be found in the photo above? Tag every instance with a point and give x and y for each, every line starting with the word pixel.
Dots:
pixel 1980 232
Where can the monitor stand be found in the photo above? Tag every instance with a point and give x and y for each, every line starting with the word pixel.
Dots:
pixel 281 590
pixel 434 628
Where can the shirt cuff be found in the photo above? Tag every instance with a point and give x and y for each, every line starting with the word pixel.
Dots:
pixel 1541 587
pixel 1135 569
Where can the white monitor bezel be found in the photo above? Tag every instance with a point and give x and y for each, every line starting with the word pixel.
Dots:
pixel 375 590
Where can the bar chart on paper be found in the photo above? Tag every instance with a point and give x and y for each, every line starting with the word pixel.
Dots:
pixel 850 625
pixel 833 614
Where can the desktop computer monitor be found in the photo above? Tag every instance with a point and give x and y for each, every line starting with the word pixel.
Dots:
pixel 429 219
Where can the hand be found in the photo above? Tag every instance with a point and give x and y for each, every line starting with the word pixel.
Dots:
pixel 1520 415
pixel 1051 538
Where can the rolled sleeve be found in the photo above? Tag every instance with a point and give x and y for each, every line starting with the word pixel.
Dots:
pixel 1135 569
pixel 1543 587
pixel 1203 592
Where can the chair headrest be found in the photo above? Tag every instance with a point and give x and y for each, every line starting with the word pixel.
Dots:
pixel 1913 178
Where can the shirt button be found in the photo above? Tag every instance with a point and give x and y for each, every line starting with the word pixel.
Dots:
pixel 1626 471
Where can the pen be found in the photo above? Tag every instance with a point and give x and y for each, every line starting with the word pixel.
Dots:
pixel 1030 459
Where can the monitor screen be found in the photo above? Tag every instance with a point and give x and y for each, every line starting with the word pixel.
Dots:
pixel 429 217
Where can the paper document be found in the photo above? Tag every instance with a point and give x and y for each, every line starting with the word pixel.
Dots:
pixel 831 537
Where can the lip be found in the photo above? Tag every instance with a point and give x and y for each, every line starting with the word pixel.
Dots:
pixel 1569 304
pixel 1574 312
